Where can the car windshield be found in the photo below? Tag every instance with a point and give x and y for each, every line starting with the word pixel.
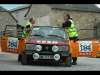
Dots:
pixel 48 31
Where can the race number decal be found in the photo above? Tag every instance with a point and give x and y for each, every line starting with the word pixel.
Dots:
pixel 12 45
pixel 85 48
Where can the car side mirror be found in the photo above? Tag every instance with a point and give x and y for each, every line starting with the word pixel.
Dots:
pixel 76 39
pixel 19 38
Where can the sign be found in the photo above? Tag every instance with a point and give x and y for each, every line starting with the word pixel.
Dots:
pixel 12 45
pixel 47 42
pixel 85 48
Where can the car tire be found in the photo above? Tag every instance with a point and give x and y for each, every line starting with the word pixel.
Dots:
pixel 24 59
pixel 68 63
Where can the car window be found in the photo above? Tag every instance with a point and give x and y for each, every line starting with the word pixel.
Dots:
pixel 46 31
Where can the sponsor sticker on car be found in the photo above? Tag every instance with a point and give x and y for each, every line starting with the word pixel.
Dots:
pixel 12 45
pixel 85 48
pixel 47 42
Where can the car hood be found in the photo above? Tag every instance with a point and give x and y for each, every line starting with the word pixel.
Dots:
pixel 49 41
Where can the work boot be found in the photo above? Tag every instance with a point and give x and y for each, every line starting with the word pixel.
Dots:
pixel 19 58
pixel 74 63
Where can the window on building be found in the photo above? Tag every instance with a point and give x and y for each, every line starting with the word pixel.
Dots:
pixel 95 31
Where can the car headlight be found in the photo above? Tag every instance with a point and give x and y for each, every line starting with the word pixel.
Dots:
pixel 54 48
pixel 63 48
pixel 56 57
pixel 30 46
pixel 36 56
pixel 38 48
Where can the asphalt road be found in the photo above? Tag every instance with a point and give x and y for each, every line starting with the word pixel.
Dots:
pixel 8 62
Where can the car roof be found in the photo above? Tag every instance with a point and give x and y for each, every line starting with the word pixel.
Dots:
pixel 47 26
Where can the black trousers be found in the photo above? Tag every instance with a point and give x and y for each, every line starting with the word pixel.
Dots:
pixel 73 38
pixel 74 58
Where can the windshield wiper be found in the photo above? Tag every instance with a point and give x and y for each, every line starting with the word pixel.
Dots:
pixel 38 35
pixel 55 36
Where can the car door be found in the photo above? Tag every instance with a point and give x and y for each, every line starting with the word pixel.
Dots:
pixel 11 44
pixel 85 48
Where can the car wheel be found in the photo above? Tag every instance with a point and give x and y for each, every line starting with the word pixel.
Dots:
pixel 24 59
pixel 68 62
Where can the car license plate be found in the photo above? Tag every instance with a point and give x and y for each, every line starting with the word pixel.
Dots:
pixel 46 56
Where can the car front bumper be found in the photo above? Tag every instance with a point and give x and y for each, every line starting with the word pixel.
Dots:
pixel 63 54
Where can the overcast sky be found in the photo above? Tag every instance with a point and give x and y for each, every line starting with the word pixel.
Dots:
pixel 11 6
pixel 98 5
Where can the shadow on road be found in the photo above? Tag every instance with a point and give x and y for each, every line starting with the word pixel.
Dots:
pixel 47 63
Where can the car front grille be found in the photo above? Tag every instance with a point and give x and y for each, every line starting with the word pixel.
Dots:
pixel 46 47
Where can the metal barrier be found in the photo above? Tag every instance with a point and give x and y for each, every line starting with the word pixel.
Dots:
pixel 11 32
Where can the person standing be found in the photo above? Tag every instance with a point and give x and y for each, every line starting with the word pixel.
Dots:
pixel 28 27
pixel 71 30
pixel 26 31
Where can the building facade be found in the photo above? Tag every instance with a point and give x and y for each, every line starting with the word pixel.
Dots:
pixel 85 16
pixel 6 18
pixel 19 13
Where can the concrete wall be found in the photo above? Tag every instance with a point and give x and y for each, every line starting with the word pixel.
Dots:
pixel 19 15
pixel 81 19
pixel 40 12
pixel 44 20
pixel 6 19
